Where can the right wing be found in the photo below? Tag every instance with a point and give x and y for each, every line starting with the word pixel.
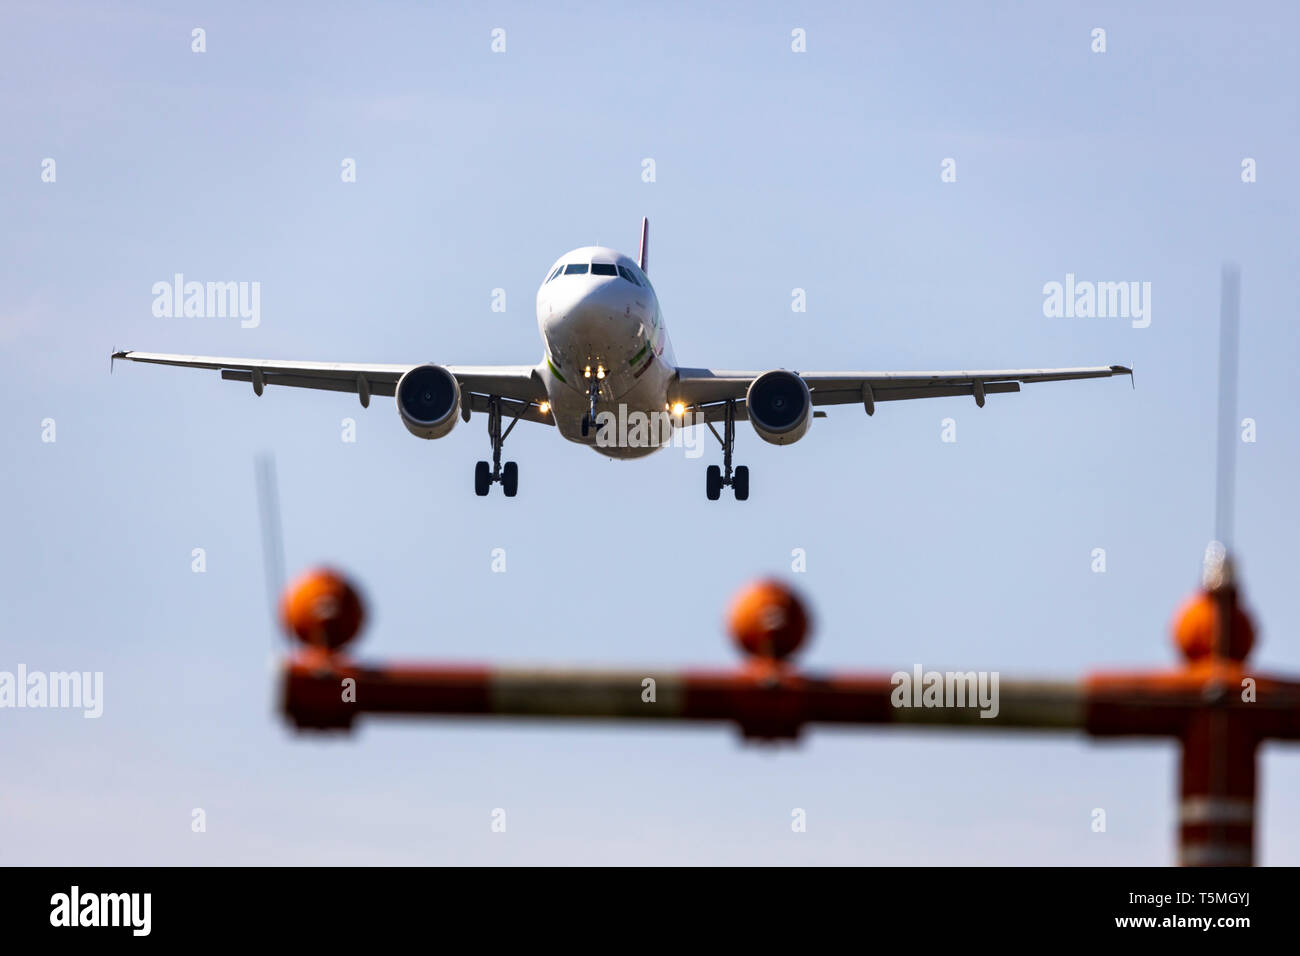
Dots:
pixel 708 390
pixel 519 386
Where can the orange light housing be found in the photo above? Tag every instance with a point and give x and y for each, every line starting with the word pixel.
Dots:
pixel 322 609
pixel 767 620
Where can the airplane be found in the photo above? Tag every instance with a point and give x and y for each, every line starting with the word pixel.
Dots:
pixel 606 352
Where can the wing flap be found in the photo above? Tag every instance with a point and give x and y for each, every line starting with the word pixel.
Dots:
pixel 833 396
pixel 323 383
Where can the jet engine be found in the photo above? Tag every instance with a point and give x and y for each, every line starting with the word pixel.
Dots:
pixel 428 398
pixel 780 407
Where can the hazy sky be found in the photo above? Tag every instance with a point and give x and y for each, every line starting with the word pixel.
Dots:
pixel 775 170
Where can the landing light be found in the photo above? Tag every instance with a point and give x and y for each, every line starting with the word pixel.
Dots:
pixel 600 371
pixel 544 408
pixel 586 372
pixel 679 409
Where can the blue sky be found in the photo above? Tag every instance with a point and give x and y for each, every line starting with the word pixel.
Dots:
pixel 774 171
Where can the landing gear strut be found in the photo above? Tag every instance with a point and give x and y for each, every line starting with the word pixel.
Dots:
pixel 485 476
pixel 715 477
pixel 589 420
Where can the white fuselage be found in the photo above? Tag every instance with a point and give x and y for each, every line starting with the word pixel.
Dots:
pixel 608 330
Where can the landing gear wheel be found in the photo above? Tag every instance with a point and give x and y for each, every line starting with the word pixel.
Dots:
pixel 486 475
pixel 740 483
pixel 715 479
pixel 713 482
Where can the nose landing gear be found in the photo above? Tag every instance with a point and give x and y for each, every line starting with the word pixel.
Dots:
pixel 714 477
pixel 485 476
pixel 589 419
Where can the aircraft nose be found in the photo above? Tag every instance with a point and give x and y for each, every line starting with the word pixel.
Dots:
pixel 599 301
pixel 595 310
pixel 594 324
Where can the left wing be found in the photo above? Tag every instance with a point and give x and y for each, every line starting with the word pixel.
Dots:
pixel 520 386
pixel 707 390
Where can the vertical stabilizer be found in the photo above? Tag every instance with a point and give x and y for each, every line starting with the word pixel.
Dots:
pixel 642 258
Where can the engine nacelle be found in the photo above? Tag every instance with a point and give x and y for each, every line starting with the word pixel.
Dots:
pixel 428 399
pixel 780 407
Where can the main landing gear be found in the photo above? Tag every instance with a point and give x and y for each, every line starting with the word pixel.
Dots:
pixel 715 477
pixel 485 476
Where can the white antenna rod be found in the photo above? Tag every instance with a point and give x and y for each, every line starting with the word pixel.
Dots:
pixel 1225 478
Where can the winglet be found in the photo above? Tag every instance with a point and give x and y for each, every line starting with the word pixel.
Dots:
pixel 642 258
pixel 121 353
pixel 1125 370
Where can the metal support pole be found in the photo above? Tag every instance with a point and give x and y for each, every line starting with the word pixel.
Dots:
pixel 730 431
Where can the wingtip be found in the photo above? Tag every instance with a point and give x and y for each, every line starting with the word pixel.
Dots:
pixel 1125 370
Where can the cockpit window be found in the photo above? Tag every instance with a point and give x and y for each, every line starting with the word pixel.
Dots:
pixel 626 273
pixel 576 269
pixel 558 270
pixel 603 269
